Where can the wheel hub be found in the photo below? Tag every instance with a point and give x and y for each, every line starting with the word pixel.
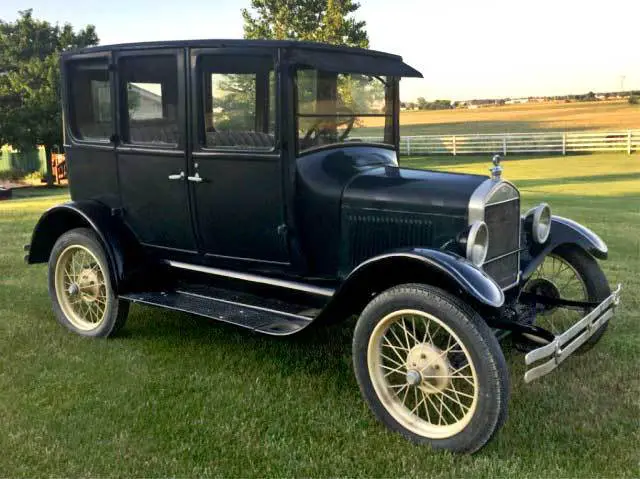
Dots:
pixel 546 288
pixel 428 368
pixel 89 284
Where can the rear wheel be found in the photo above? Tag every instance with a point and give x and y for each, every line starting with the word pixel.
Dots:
pixel 80 286
pixel 430 368
pixel 568 273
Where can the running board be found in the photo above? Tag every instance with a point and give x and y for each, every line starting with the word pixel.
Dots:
pixel 251 316
pixel 254 278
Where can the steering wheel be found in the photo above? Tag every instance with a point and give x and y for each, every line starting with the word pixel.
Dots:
pixel 316 127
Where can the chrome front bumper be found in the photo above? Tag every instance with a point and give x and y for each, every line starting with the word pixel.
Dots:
pixel 565 344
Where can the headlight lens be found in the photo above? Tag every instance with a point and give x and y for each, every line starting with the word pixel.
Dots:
pixel 478 243
pixel 541 223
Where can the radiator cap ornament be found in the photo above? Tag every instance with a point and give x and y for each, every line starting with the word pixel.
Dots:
pixel 496 170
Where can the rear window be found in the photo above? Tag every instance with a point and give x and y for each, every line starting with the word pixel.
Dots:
pixel 90 101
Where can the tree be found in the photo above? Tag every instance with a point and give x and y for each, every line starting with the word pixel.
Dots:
pixel 30 113
pixel 422 103
pixel 327 21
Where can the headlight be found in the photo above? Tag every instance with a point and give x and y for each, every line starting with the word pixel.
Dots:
pixel 477 243
pixel 540 222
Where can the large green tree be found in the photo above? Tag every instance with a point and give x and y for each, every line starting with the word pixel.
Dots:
pixel 30 112
pixel 328 21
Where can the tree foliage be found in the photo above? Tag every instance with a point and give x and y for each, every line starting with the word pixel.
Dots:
pixel 30 112
pixel 327 21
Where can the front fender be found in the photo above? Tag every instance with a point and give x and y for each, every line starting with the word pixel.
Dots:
pixel 427 266
pixel 120 245
pixel 564 231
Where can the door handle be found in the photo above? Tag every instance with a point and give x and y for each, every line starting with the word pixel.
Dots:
pixel 195 178
pixel 179 176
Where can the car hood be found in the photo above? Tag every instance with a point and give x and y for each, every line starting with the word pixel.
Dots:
pixel 391 188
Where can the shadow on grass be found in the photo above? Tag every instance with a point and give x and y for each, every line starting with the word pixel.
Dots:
pixel 315 350
pixel 39 191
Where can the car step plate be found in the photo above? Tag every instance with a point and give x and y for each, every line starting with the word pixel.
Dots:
pixel 251 316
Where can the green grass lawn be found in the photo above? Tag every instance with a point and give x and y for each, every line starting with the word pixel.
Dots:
pixel 176 395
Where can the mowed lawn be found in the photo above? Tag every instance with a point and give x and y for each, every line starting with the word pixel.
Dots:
pixel 176 395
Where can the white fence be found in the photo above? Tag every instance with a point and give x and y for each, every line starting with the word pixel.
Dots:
pixel 515 143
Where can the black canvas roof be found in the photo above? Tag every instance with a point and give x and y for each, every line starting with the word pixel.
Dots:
pixel 318 55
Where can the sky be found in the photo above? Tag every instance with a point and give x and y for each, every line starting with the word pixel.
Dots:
pixel 464 49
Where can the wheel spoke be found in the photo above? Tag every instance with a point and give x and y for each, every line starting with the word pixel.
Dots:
pixel 391 370
pixel 394 349
pixel 440 397
pixel 456 392
pixel 407 345
pixel 391 360
pixel 463 407
pixel 416 408
pixel 435 407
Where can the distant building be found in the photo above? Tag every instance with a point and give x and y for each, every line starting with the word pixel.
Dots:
pixel 516 101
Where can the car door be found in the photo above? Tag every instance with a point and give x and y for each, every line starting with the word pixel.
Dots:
pixel 89 131
pixel 239 207
pixel 152 157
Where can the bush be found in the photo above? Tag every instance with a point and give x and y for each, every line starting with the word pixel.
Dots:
pixel 12 175
pixel 634 100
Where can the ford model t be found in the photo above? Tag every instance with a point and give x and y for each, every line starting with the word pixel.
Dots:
pixel 257 183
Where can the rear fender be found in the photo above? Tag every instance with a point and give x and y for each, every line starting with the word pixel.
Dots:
pixel 415 265
pixel 121 247
pixel 564 232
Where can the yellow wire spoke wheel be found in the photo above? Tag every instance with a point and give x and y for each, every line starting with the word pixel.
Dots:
pixel 430 368
pixel 81 287
pixel 83 298
pixel 557 278
pixel 423 373
pixel 573 274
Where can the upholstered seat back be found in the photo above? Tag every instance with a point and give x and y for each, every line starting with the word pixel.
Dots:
pixel 153 132
pixel 240 139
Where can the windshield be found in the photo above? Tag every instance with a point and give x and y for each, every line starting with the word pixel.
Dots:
pixel 335 108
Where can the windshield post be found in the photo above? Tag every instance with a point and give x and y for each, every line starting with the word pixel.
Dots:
pixel 392 127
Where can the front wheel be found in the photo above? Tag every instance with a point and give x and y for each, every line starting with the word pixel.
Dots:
pixel 80 286
pixel 430 368
pixel 573 274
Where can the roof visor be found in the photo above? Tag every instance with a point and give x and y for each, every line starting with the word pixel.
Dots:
pixel 364 63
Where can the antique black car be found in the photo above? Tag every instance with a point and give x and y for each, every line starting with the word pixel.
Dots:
pixel 257 183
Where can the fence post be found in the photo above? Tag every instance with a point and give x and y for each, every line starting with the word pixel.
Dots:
pixel 564 143
pixel 408 146
pixel 504 145
pixel 454 145
pixel 629 142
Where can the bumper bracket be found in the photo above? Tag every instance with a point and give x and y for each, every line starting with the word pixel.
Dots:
pixel 568 342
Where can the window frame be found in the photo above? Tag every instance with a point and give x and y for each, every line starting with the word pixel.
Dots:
pixel 198 99
pixel 68 113
pixel 122 108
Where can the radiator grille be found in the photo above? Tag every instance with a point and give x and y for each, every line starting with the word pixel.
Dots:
pixel 503 222
pixel 503 257
pixel 504 270
pixel 372 234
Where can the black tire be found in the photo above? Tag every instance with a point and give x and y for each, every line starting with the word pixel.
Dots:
pixel 594 279
pixel 490 410
pixel 115 310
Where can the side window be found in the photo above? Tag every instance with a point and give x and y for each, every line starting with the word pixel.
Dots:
pixel 150 93
pixel 238 102
pixel 90 100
